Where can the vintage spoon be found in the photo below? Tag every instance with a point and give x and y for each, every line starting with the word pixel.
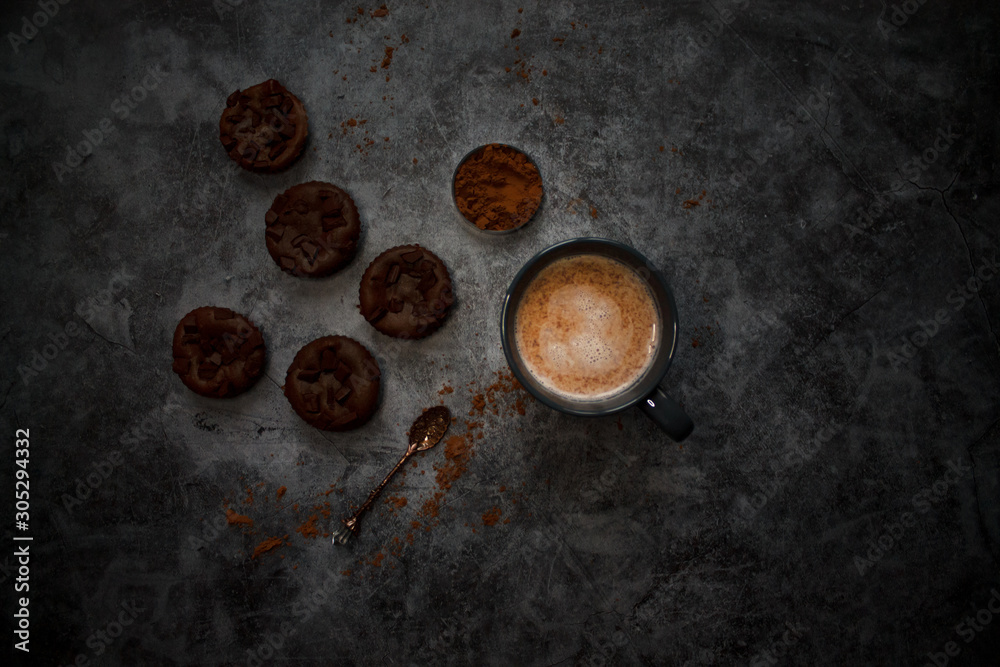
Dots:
pixel 427 431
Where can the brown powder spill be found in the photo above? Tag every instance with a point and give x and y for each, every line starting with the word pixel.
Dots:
pixel 309 529
pixel 489 399
pixel 388 57
pixel 397 502
pixel 521 67
pixel 492 517
pixel 691 203
pixel 457 452
pixel 446 389
pixel 249 499
pixel 430 510
pixel 374 561
pixel 593 211
pixel 234 519
pixel 515 33
pixel 380 12
pixel 504 398
pixel 280 493
pixel 267 545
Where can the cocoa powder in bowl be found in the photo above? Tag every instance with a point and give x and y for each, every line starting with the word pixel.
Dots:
pixel 497 188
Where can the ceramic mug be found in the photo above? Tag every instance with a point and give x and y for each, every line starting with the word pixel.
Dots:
pixel 645 392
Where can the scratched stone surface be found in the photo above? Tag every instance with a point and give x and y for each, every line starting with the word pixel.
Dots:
pixel 815 180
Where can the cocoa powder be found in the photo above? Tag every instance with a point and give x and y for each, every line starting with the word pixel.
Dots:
pixel 497 188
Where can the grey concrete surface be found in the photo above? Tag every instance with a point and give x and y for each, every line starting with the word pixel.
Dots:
pixel 838 501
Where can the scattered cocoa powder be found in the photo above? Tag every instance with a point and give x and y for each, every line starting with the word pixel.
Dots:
pixel 267 545
pixel 492 517
pixel 280 493
pixel 234 519
pixel 380 12
pixel 457 452
pixel 489 400
pixel 309 529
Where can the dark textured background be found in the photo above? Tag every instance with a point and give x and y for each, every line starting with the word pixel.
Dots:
pixel 812 442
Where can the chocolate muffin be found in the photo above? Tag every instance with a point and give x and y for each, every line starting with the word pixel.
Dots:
pixel 333 383
pixel 217 352
pixel 406 292
pixel 312 229
pixel 263 127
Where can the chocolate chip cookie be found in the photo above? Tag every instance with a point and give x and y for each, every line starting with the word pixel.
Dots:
pixel 263 127
pixel 312 229
pixel 333 383
pixel 217 352
pixel 406 292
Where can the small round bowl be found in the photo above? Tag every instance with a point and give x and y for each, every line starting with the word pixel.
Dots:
pixel 473 225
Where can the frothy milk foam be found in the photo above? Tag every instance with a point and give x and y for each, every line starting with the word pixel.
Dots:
pixel 587 327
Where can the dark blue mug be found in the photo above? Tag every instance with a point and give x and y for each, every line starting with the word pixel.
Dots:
pixel 644 392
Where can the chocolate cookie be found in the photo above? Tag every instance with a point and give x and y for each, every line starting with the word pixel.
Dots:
pixel 312 229
pixel 263 127
pixel 406 292
pixel 333 383
pixel 217 352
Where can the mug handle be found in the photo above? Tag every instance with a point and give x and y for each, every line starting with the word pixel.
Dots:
pixel 667 414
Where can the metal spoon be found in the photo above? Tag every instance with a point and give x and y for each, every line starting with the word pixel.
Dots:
pixel 427 431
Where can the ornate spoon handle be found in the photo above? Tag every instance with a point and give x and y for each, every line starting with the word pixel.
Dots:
pixel 350 528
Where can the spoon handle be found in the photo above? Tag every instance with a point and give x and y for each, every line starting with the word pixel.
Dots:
pixel 351 525
pixel 378 489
